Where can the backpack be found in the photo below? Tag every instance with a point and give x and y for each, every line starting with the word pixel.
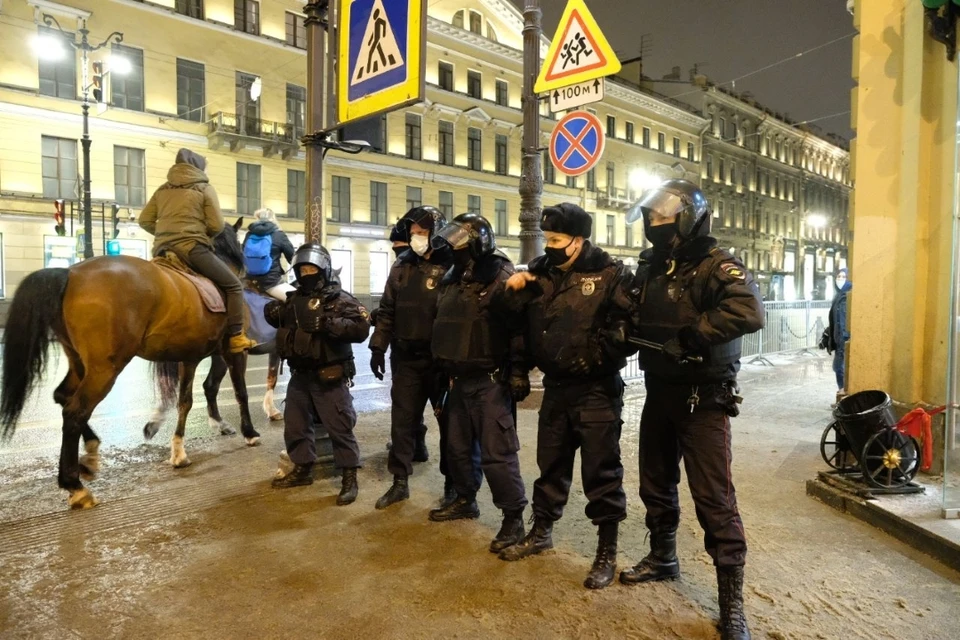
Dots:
pixel 256 254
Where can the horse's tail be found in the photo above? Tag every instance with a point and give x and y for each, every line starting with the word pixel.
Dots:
pixel 167 377
pixel 36 311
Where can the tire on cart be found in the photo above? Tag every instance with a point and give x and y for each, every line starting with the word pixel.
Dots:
pixel 890 459
pixel 835 448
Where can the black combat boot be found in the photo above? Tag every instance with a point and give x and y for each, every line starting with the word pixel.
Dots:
pixel 733 622
pixel 398 492
pixel 511 531
pixel 460 509
pixel 300 475
pixel 605 564
pixel 348 487
pixel 537 541
pixel 660 564
pixel 449 493
pixel 420 451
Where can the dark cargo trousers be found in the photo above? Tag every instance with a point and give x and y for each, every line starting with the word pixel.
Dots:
pixel 583 416
pixel 669 432
pixel 310 401
pixel 414 383
pixel 205 262
pixel 481 410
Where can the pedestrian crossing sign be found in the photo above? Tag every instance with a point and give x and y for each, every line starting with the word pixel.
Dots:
pixel 381 56
pixel 578 52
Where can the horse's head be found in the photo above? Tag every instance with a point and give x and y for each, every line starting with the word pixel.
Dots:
pixel 227 246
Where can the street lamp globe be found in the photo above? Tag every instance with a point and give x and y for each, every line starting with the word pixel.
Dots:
pixel 49 47
pixel 641 181
pixel 816 221
pixel 120 65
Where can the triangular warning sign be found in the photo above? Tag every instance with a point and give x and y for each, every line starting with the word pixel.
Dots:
pixel 578 52
pixel 379 51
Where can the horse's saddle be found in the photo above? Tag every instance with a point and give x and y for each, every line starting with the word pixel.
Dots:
pixel 209 293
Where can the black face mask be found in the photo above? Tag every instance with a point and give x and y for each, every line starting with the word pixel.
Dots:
pixel 462 258
pixel 557 255
pixel 398 250
pixel 662 237
pixel 312 281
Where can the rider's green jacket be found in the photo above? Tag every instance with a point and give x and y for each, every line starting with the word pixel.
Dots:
pixel 183 212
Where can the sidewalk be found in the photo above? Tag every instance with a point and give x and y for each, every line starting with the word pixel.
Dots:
pixel 213 551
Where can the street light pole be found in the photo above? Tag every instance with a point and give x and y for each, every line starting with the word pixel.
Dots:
pixel 317 25
pixel 531 176
pixel 85 48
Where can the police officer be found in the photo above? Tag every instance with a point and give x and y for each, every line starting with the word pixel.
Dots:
pixel 473 342
pixel 405 324
pixel 698 301
pixel 315 329
pixel 569 296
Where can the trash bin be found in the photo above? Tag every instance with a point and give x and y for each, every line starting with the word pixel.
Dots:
pixel 863 414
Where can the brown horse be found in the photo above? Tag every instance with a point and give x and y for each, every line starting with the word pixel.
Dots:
pixel 103 312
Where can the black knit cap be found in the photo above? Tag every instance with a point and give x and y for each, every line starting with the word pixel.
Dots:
pixel 567 218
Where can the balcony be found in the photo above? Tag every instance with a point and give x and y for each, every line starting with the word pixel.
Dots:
pixel 237 132
pixel 613 198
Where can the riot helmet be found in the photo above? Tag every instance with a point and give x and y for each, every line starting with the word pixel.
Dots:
pixel 428 218
pixel 317 256
pixel 677 203
pixel 467 231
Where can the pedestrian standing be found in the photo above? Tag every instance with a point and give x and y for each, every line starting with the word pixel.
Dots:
pixel 698 301
pixel 316 326
pixel 569 300
pixel 477 346
pixel 837 334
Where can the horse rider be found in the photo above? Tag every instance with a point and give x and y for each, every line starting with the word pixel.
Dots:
pixel 184 216
pixel 263 247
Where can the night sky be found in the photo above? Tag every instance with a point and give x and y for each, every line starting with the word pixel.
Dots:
pixel 732 38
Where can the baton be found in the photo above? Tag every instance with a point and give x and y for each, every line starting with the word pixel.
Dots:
pixel 659 347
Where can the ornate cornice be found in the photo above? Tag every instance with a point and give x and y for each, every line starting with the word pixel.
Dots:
pixel 650 103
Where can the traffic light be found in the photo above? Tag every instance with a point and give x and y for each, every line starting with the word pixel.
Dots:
pixel 97 82
pixel 59 217
pixel 115 210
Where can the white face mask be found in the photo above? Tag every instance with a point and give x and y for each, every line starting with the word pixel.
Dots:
pixel 419 244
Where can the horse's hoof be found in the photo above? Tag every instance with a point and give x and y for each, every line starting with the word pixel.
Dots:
pixel 276 417
pixel 151 430
pixel 253 442
pixel 182 463
pixel 82 499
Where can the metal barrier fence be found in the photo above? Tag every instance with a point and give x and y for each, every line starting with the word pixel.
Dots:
pixel 789 327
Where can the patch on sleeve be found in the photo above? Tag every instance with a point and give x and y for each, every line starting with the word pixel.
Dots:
pixel 734 270
pixel 363 312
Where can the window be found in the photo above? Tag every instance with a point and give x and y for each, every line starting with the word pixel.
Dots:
pixel 491 34
pixel 445 142
pixel 645 140
pixel 340 208
pixel 572 182
pixel 474 149
pixel 592 180
pixel 743 178
pixel 297 110
pixel 503 93
pixel 628 240
pixel 378 203
pixel 248 110
pixel 248 188
pixel 445 76
pixel 414 197
pixel 629 133
pixel 502 154
pixel 776 186
pixel 733 132
pixel 502 224
pixel 611 177
pixel 59 167
pixel 722 128
pixel 129 177
pixel 473 204
pixel 190 8
pixel 611 127
pixel 296 31
pixel 709 166
pixel 458 18
pixel 296 193
pixel 474 84
pixel 549 171
pixel 446 203
pixel 661 142
pixel 722 173
pixel 58 78
pixel 246 16
pixel 676 147
pixel 611 240
pixel 126 91
pixel 476 22
pixel 691 151
pixel 191 90
pixel 412 133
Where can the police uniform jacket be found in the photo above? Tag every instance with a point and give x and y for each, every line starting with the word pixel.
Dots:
pixel 706 299
pixel 315 328
pixel 409 303
pixel 565 311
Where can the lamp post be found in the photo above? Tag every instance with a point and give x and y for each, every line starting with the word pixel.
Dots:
pixel 84 47
pixel 531 173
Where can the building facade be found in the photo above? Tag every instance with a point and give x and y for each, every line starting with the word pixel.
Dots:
pixel 780 191
pixel 227 78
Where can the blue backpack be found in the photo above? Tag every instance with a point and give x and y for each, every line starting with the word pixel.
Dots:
pixel 256 254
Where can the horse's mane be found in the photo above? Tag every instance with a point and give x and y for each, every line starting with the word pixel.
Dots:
pixel 228 248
